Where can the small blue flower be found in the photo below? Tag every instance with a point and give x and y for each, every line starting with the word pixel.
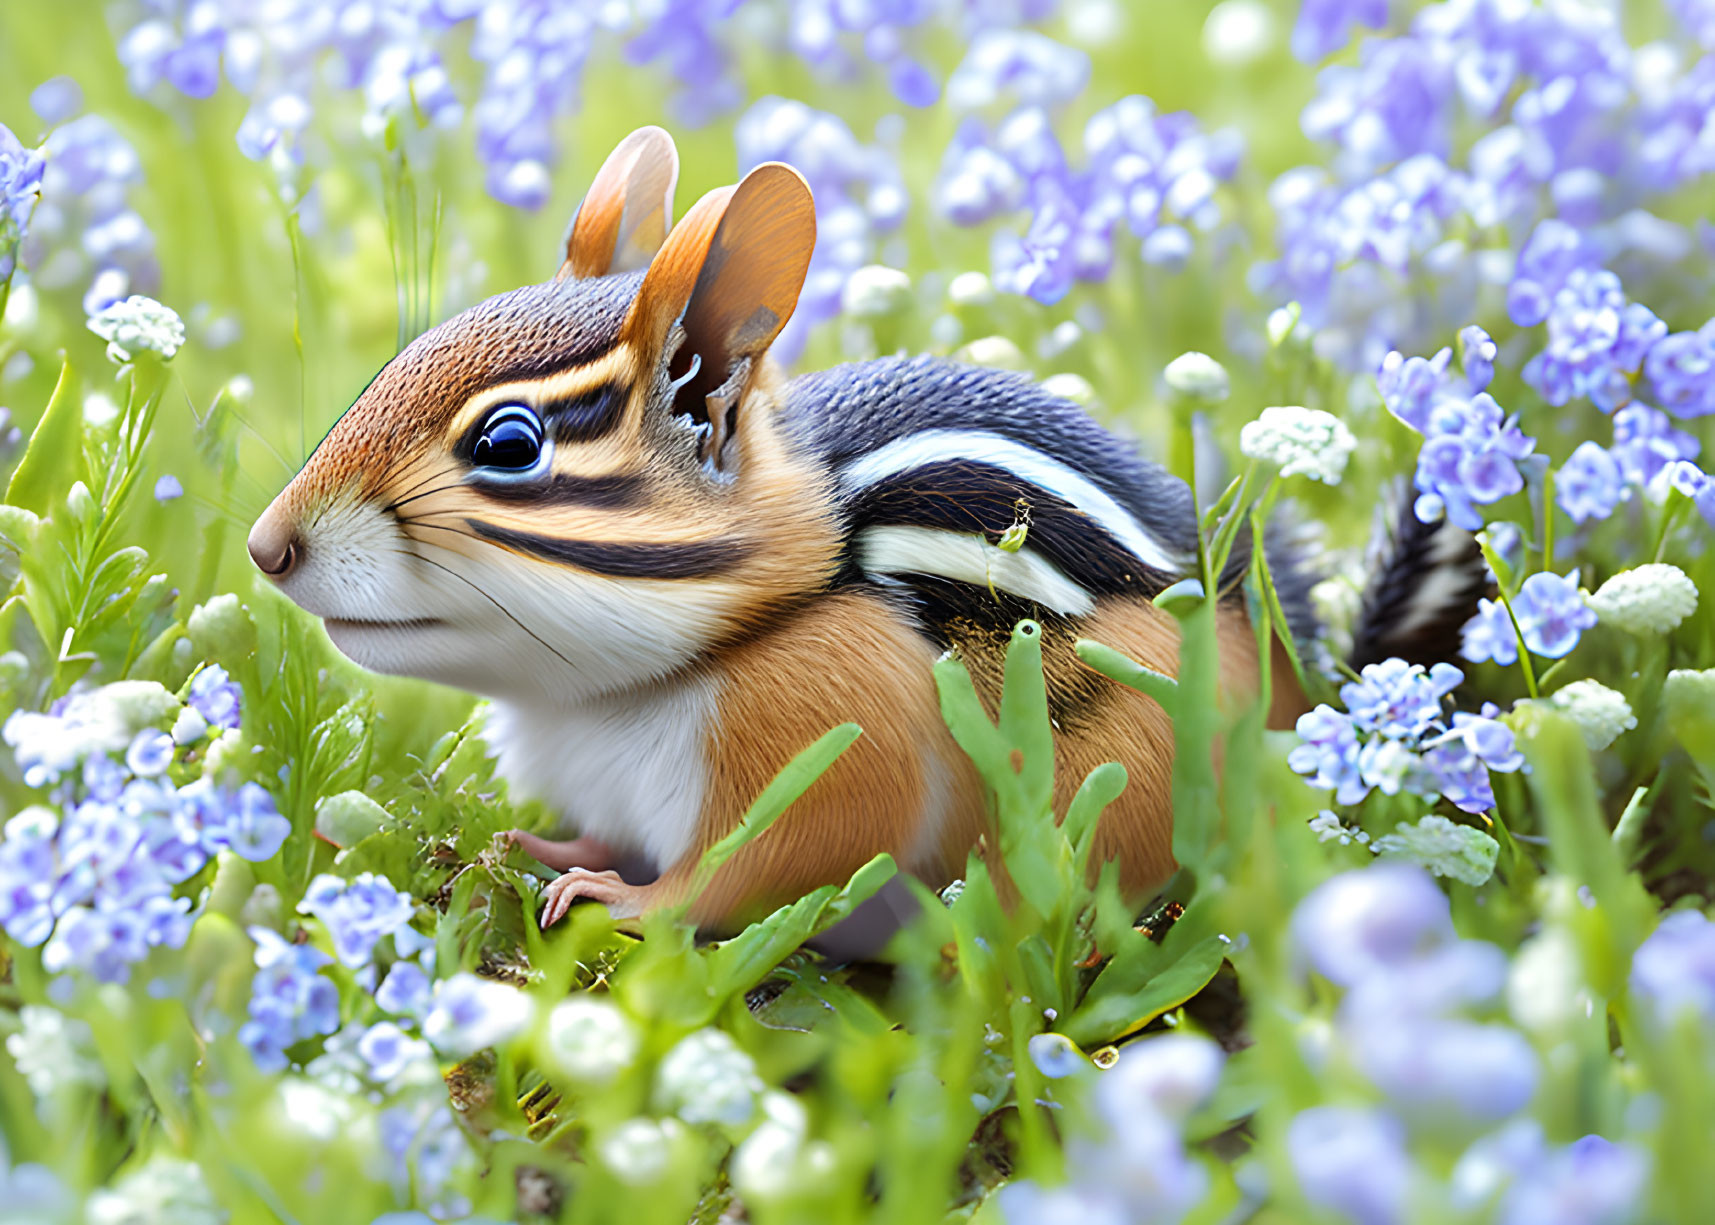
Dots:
pixel 255 830
pixel 1551 614
pixel 1440 1067
pixel 1398 699
pixel 1490 635
pixel 1352 1161
pixel 216 697
pixel 1477 357
pixel 405 991
pixel 1645 442
pixel 290 999
pixel 1329 754
pixel 358 914
pixel 1681 367
pixel 1590 483
pixel 168 488
pixel 151 752
pixel 1371 920
pixel 1673 971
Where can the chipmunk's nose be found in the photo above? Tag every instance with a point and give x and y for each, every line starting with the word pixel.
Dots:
pixel 274 545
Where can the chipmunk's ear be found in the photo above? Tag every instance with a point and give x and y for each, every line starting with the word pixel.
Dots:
pixel 629 208
pixel 730 273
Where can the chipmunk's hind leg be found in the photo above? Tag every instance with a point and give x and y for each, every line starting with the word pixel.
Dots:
pixel 562 856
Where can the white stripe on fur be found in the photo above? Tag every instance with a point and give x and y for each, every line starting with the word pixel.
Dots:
pixel 968 558
pixel 979 446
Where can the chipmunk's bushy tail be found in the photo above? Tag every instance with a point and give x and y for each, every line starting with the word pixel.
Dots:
pixel 1425 581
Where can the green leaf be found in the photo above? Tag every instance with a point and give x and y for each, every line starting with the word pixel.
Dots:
pixel 54 457
pixel 777 797
pixel 1101 787
pixel 1158 686
pixel 1107 1016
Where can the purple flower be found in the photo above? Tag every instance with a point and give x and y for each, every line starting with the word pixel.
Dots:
pixel 1398 699
pixel 1438 981
pixel 1471 455
pixel 405 991
pixel 1412 386
pixel 1589 1182
pixel 216 697
pixel 1329 754
pixel 358 914
pixel 1551 614
pixel 1324 26
pixel 85 231
pixel 1020 66
pixel 1681 367
pixel 255 830
pixel 1462 758
pixel 168 488
pixel 1645 442
pixel 388 1050
pixel 290 999
pixel 1352 1161
pixel 1549 256
pixel 151 752
pixel 1589 484
pixel 1673 971
pixel 1436 1068
pixel 20 183
pixel 1477 356
pixel 1370 921
pixel 1490 635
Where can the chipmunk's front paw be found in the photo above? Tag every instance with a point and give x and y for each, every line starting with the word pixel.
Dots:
pixel 623 901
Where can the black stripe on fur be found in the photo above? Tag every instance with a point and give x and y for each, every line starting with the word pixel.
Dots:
pixel 1425 581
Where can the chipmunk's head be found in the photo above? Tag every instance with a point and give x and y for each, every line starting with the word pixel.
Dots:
pixel 566 489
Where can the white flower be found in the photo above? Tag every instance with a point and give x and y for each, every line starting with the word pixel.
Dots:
pixel 1689 690
pixel 166 1191
pixel 638 1150
pixel 590 1040
pixel 138 323
pixel 767 1162
pixel 707 1079
pixel 53 1051
pixel 1545 985
pixel 996 351
pixel 1328 827
pixel 876 292
pixel 1600 713
pixel 1445 848
pixel 1238 32
pixel 314 1108
pixel 1197 374
pixel 1648 599
pixel 1300 440
pixel 971 289
pixel 1069 386
pixel 470 1013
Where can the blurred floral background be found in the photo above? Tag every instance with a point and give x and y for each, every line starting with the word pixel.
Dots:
pixel 1439 954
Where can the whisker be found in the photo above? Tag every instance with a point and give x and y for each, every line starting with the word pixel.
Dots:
pixel 503 609
pixel 436 475
pixel 421 494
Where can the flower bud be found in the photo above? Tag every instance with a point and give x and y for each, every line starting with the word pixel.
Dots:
pixel 1197 375
pixel 876 292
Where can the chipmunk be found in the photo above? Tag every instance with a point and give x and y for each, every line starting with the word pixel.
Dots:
pixel 599 503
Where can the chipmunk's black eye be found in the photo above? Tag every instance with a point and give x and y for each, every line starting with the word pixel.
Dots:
pixel 511 438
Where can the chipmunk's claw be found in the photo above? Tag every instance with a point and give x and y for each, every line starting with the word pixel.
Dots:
pixel 623 901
